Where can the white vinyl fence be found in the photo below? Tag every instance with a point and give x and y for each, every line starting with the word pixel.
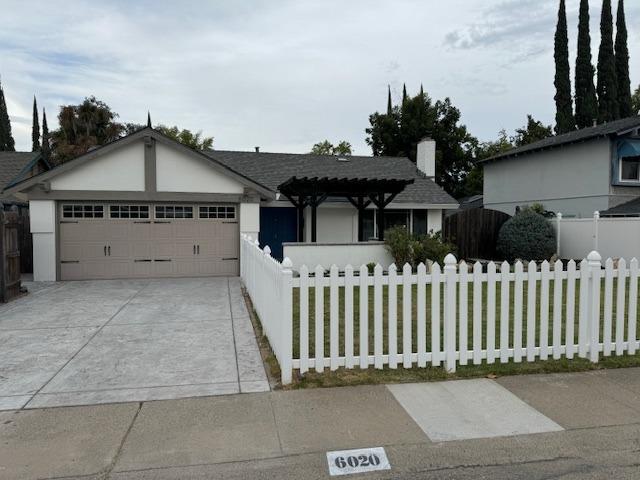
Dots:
pixel 456 315
pixel 615 237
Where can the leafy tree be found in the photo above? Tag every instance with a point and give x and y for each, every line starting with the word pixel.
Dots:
pixel 608 107
pixel 586 101
pixel 7 143
pixel 622 64
pixel 327 148
pixel 533 131
pixel 35 128
pixel 565 122
pixel 46 149
pixel 398 134
pixel 635 102
pixel 83 127
pixel 186 137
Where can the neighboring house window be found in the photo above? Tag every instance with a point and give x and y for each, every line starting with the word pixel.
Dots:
pixel 396 218
pixel 129 211
pixel 217 212
pixel 368 224
pixel 630 169
pixel 174 211
pixel 420 222
pixel 82 211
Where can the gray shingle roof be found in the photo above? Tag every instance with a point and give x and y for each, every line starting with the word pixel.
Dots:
pixel 629 208
pixel 272 169
pixel 603 130
pixel 14 167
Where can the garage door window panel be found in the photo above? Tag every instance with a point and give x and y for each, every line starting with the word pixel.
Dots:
pixel 217 212
pixel 174 211
pixel 82 211
pixel 129 211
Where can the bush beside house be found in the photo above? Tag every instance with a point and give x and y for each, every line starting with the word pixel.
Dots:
pixel 527 236
pixel 405 247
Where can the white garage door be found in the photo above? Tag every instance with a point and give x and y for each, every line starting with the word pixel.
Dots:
pixel 101 240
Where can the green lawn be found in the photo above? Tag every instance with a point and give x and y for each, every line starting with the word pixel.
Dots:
pixel 358 376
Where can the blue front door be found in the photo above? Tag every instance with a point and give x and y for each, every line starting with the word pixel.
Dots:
pixel 278 225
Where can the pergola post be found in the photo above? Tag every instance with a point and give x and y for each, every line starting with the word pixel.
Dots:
pixel 314 219
pixel 300 207
pixel 380 217
pixel 360 207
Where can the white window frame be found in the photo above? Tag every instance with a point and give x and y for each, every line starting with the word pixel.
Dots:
pixel 165 206
pixel 626 180
pixel 82 209
pixel 129 217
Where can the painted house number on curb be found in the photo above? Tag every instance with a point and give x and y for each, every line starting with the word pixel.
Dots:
pixel 345 462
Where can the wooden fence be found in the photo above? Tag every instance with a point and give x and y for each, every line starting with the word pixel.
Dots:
pixel 10 223
pixel 456 315
pixel 474 232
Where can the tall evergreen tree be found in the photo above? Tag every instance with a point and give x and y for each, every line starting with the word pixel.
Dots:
pixel 586 101
pixel 608 107
pixel 565 122
pixel 7 142
pixel 389 104
pixel 622 64
pixel 35 128
pixel 404 93
pixel 46 149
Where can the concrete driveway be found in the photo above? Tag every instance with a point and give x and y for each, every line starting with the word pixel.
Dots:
pixel 78 343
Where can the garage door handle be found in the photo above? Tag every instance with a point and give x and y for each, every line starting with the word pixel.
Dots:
pixel 194 249
pixel 109 250
pixel 198 249
pixel 105 250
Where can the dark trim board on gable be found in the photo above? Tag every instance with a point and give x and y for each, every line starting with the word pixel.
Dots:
pixel 617 127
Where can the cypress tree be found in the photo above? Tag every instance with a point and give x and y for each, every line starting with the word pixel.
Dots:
pixel 46 150
pixel 404 93
pixel 586 101
pixel 7 142
pixel 389 104
pixel 608 108
pixel 35 128
pixel 622 64
pixel 564 103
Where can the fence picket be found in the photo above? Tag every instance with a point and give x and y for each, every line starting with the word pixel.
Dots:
pixel 557 309
pixel 334 310
pixel 570 309
pixel 608 308
pixel 304 319
pixel 463 312
pixel 545 276
pixel 518 294
pixel 531 310
pixel 377 316
pixel 595 275
pixel 583 309
pixel 435 315
pixel 505 287
pixel 348 317
pixel 633 302
pixel 319 318
pixel 406 316
pixel 364 317
pixel 450 317
pixel 393 316
pixel 491 312
pixel 477 313
pixel 620 304
pixel 421 315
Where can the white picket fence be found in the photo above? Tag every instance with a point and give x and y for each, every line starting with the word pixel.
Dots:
pixel 456 315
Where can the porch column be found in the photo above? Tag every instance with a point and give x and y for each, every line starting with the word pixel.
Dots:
pixel 314 207
pixel 300 208
pixel 380 203
pixel 360 219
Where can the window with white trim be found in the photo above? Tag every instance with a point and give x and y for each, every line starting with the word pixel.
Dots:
pixel 174 211
pixel 129 211
pixel 217 211
pixel 82 211
pixel 630 169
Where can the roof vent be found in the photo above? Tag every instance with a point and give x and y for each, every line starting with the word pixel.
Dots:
pixel 343 159
pixel 257 149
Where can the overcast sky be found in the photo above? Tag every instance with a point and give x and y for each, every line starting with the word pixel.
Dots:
pixel 284 74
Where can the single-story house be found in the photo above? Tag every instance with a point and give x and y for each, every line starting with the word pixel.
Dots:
pixel 147 206
pixel 577 173
pixel 16 167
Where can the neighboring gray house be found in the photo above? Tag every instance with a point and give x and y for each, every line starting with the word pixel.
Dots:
pixel 577 173
pixel 16 167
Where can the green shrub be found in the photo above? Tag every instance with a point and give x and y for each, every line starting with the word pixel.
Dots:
pixel 415 249
pixel 527 236
pixel 371 266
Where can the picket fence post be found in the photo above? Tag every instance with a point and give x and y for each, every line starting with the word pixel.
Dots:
pixel 558 230
pixel 596 218
pixel 450 317
pixel 595 273
pixel 286 346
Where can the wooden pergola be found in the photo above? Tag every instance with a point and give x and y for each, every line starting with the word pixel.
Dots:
pixel 361 192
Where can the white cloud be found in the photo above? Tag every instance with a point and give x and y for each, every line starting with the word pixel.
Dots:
pixel 286 74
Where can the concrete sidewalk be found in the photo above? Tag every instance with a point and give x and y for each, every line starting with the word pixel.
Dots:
pixel 588 426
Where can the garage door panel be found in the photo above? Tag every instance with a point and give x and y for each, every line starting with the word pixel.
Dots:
pixel 138 248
